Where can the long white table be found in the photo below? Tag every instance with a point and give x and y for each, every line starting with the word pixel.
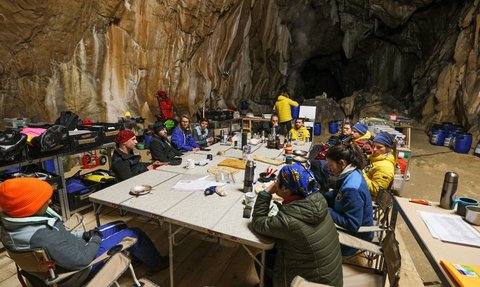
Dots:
pixel 434 249
pixel 218 216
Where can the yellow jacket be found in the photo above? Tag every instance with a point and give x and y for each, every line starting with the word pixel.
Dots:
pixel 282 107
pixel 300 134
pixel 379 173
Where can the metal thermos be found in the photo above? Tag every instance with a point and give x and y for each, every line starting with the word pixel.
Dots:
pixel 244 139
pixel 249 176
pixel 448 190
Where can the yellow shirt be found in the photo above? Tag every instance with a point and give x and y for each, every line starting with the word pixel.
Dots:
pixel 301 134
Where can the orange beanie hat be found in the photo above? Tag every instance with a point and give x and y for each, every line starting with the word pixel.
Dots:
pixel 23 197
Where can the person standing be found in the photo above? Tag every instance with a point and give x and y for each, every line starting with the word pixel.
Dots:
pixel 306 240
pixel 202 135
pixel 126 164
pixel 182 140
pixel 282 107
pixel 160 147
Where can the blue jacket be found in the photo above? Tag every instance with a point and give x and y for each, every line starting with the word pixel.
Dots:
pixel 351 206
pixel 183 141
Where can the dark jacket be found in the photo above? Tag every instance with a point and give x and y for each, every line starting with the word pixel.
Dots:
pixel 127 165
pixel 306 240
pixel 68 250
pixel 267 127
pixel 351 206
pixel 183 141
pixel 163 151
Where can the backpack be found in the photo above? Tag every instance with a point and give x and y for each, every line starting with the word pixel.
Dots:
pixel 53 138
pixel 166 106
pixel 68 119
pixel 12 143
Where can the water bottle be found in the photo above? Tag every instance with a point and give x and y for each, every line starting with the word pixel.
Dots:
pixel 448 190
pixel 249 176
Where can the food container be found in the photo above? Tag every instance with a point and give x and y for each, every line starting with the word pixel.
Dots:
pixel 473 214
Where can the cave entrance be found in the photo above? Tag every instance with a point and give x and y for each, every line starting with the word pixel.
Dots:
pixel 318 79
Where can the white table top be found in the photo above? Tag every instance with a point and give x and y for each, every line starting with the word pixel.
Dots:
pixel 436 248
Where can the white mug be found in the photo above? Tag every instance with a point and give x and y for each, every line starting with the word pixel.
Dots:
pixel 250 198
pixel 190 163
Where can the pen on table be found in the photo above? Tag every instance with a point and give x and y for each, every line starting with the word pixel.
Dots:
pixel 420 201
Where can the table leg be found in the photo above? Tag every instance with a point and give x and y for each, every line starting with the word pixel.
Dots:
pixel 262 268
pixel 97 209
pixel 170 252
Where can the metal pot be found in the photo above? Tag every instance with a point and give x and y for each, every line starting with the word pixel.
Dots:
pixel 473 214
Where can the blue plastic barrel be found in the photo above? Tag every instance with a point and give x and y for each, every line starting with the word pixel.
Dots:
pixel 437 137
pixel 317 129
pixel 476 152
pixel 449 138
pixel 244 105
pixel 50 165
pixel 295 111
pixel 333 127
pixel 447 126
pixel 463 142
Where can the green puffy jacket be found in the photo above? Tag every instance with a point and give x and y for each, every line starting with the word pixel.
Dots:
pixel 306 240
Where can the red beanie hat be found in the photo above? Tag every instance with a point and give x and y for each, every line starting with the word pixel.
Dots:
pixel 23 197
pixel 124 136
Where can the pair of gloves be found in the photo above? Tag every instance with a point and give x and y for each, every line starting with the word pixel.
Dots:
pixel 87 235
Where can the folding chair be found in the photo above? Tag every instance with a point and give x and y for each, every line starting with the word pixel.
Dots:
pixel 357 276
pixel 38 261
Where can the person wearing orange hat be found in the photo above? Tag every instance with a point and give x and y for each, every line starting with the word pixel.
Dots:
pixel 28 223
pixel 126 164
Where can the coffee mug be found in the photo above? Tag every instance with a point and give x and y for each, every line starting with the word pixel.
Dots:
pixel 209 156
pixel 462 203
pixel 473 214
pixel 250 198
pixel 190 163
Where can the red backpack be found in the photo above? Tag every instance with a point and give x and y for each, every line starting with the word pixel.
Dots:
pixel 165 105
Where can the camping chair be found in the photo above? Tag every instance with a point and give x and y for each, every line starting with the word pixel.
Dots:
pixel 356 276
pixel 38 261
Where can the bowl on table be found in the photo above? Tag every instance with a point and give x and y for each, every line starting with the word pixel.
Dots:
pixel 264 178
pixel 300 152
pixel 300 159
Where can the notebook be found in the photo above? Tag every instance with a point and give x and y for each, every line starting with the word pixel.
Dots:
pixel 465 275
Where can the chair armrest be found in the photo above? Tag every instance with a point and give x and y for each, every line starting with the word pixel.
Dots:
pixel 352 241
pixel 111 271
pixel 374 228
pixel 74 222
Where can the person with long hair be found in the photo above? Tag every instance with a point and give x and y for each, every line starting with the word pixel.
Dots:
pixel 306 241
pixel 182 138
pixel 380 171
pixel 351 203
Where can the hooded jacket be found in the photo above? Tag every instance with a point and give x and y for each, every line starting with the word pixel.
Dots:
pixel 301 134
pixel 365 143
pixel 282 106
pixel 67 249
pixel 162 150
pixel 351 206
pixel 183 141
pixel 127 165
pixel 379 173
pixel 306 240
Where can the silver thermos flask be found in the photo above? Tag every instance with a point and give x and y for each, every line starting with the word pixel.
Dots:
pixel 249 176
pixel 448 190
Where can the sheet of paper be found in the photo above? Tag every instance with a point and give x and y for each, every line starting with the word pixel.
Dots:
pixel 450 228
pixel 196 184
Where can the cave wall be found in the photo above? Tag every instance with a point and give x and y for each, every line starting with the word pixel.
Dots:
pixel 102 58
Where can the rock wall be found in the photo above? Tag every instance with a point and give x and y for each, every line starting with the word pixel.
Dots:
pixel 102 58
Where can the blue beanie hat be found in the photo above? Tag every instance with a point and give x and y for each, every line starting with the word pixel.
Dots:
pixel 384 138
pixel 361 128
pixel 299 180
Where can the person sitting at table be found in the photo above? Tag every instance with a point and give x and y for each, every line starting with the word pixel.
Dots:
pixel 28 223
pixel 351 204
pixel 201 134
pixel 272 124
pixel 306 240
pixel 345 132
pixel 362 137
pixel 299 131
pixel 160 147
pixel 182 140
pixel 380 171
pixel 126 164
